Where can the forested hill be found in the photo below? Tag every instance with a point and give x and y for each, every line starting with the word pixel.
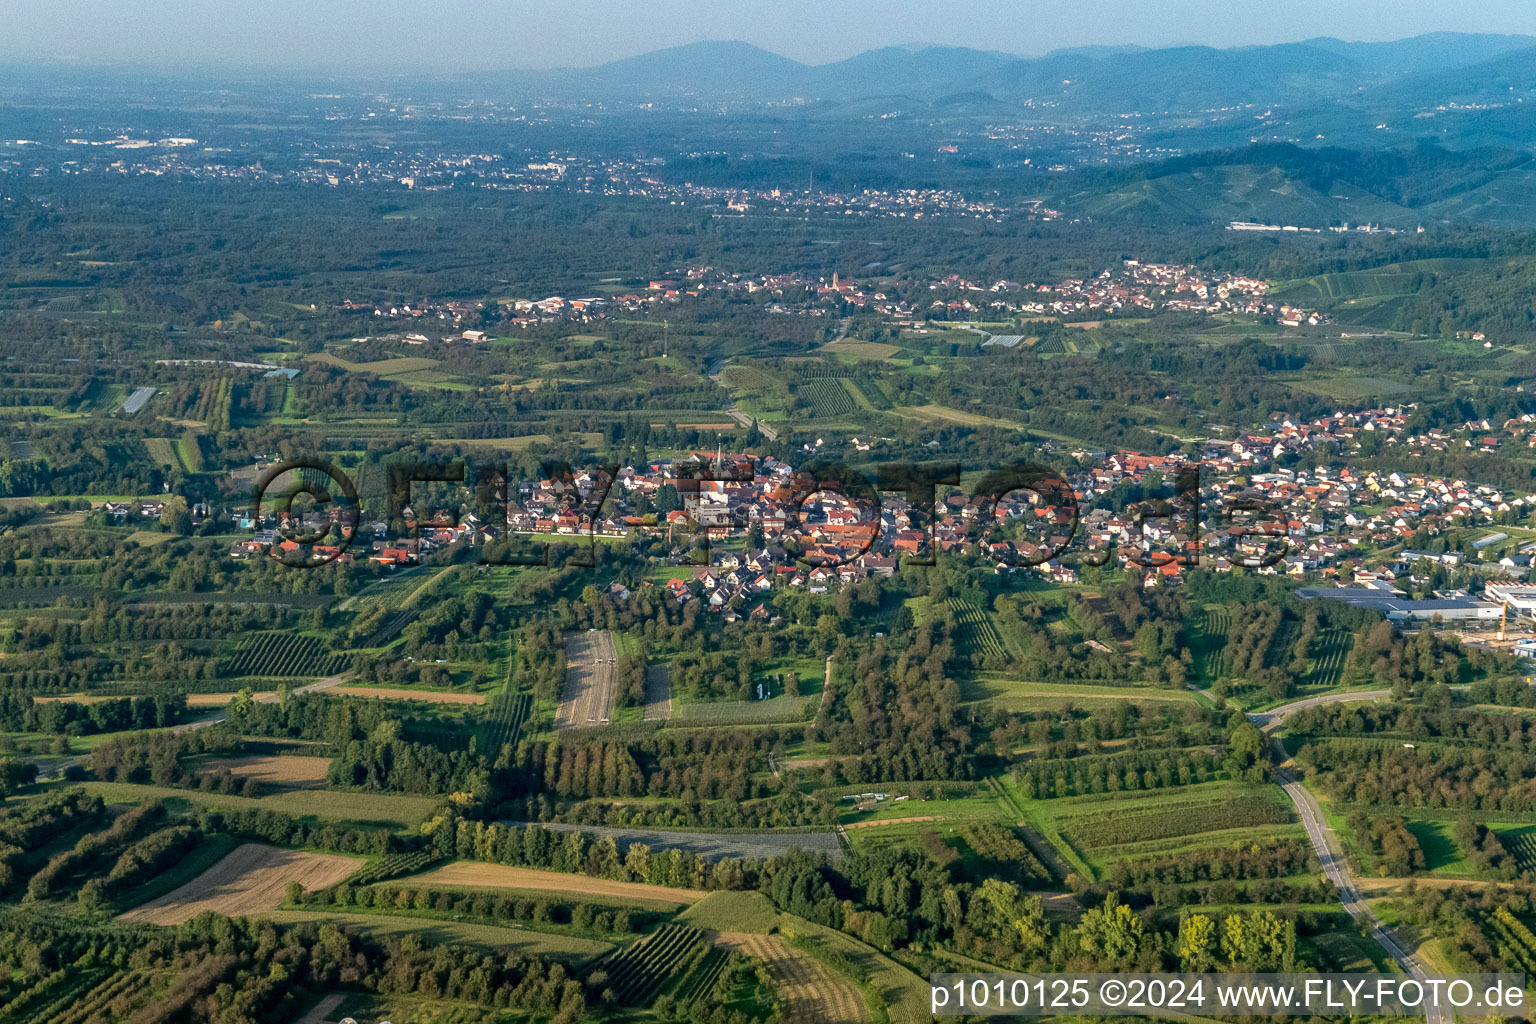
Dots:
pixel 1284 184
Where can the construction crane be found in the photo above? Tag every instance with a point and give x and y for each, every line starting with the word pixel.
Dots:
pixel 1503 617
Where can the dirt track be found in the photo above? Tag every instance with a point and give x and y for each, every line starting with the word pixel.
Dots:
pixel 499 876
pixel 252 878
pixel 591 681
pixel 809 993
pixel 325 1010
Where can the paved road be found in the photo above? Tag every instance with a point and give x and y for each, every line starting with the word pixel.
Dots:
pixel 1338 873
pixel 1323 843
pixel 1274 716
pixel 591 681
pixel 57 771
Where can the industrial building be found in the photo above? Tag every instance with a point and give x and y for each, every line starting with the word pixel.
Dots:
pixel 1398 607
pixel 1520 597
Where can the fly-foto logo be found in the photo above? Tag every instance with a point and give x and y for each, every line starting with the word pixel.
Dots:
pixel 823 515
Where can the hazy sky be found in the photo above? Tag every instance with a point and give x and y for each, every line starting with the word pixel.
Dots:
pixel 422 35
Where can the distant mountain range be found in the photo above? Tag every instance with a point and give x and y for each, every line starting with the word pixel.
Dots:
pixel 1475 67
pixel 1433 129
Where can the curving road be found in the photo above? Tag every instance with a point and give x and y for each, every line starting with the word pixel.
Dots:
pixel 1274 716
pixel 1321 837
pixel 56 771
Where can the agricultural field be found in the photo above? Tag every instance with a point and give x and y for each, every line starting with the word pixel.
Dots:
pixel 734 911
pixel 808 991
pixel 521 941
pixel 161 451
pixel 1014 695
pixel 961 742
pixel 637 971
pixel 392 866
pixel 380 368
pixel 1513 935
pixel 282 655
pixel 389 627
pixel 506 715
pixel 1442 855
pixel 1390 279
pixel 1090 833
pixel 699 981
pixel 942 414
pixel 1521 844
pixel 1329 652
pixel 743 712
pixel 288 771
pixel 745 378
pixel 715 845
pixel 827 397
pixel 872 350
pixel 869 394
pixel 591 692
pixel 1212 660
pixel 393 810
pixel 214 700
pixel 403 693
pixel 472 875
pixel 978 634
pixel 658 692
pixel 1128 823
pixel 250 879
pixel 78 996
pixel 1352 388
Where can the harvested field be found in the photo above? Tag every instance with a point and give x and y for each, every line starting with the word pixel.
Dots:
pixel 890 821
pixel 591 689
pixel 251 879
pixel 295 772
pixel 712 845
pixel 396 693
pixel 809 992
pixel 210 700
pixel 474 875
pixel 1061 906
